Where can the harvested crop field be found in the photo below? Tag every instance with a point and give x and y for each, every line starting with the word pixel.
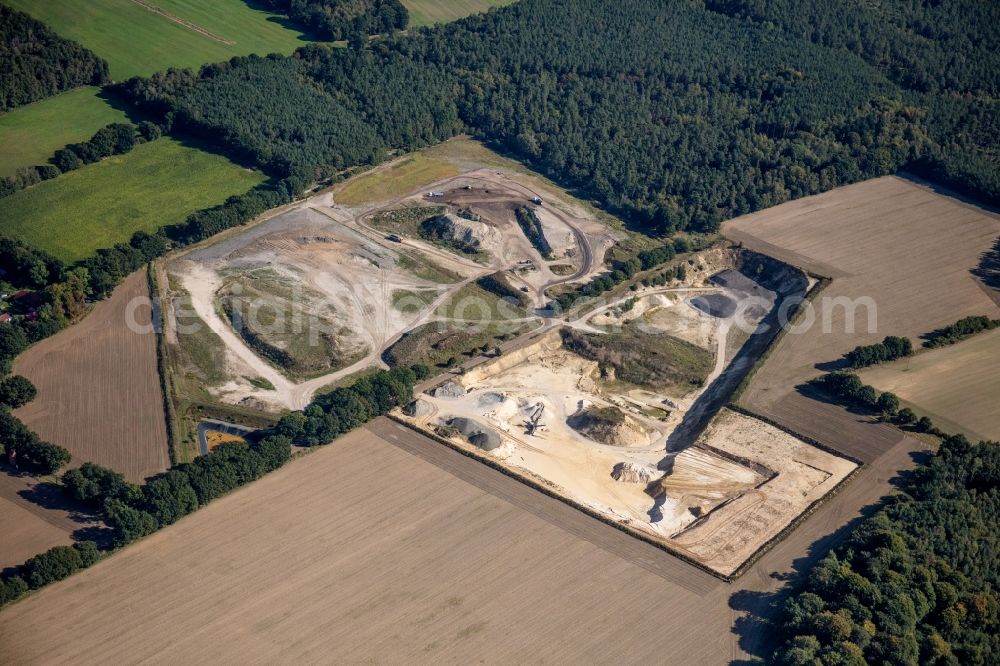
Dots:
pixel 29 526
pixel 463 559
pixel 956 386
pixel 98 387
pixel 915 265
pixel 453 573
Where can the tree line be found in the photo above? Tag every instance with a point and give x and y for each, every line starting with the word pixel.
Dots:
pixel 332 20
pixel 38 63
pixel 891 348
pixel 623 270
pixel 113 139
pixel 960 330
pixel 915 583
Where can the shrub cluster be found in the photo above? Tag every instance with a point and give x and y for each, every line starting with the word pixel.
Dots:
pixel 532 228
pixel 960 330
pixel 346 408
pixel 851 389
pixel 48 567
pixel 27 450
pixel 625 270
pixel 332 20
pixel 890 349
pixel 497 283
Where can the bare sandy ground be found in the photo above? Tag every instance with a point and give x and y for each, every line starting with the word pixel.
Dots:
pixel 335 252
pixel 719 501
pixel 908 248
pixel 802 475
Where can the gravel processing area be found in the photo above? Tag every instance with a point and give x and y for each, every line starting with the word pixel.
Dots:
pixel 566 422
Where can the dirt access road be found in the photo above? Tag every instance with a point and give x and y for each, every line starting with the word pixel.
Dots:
pixel 331 263
pixel 464 564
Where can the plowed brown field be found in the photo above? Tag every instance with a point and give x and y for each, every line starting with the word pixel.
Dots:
pixel 386 547
pixel 99 390
pixel 905 246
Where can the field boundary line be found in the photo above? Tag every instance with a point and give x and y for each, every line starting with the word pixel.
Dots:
pixel 162 364
pixel 184 22
pixel 534 484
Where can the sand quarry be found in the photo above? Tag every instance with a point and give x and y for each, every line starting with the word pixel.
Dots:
pixel 716 500
pixel 334 279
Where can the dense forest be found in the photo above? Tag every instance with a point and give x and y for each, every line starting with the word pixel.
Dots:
pixel 945 54
pixel 342 19
pixel 919 582
pixel 321 111
pixel 36 63
pixel 675 116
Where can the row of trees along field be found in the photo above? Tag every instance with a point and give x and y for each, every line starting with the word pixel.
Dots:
pixel 113 139
pixel 341 19
pixel 38 63
pixel 917 583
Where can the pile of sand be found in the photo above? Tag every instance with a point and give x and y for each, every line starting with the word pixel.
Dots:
pixel 476 433
pixel 449 390
pixel 418 408
pixel 630 472
pixel 609 425
pixel 465 234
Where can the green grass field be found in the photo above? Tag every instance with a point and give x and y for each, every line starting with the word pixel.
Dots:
pixel 30 134
pixel 137 41
pixel 101 204
pixel 429 12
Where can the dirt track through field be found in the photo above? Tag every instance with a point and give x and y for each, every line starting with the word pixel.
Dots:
pixel 98 388
pixel 184 22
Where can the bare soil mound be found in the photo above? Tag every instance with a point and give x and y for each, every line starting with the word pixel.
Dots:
pixel 630 472
pixel 466 235
pixel 609 425
pixel 418 408
pixel 479 435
